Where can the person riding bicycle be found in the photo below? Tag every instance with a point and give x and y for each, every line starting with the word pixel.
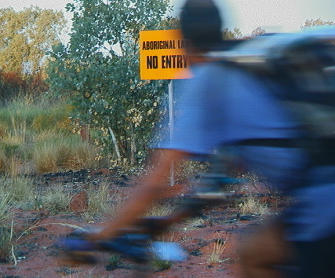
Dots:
pixel 223 107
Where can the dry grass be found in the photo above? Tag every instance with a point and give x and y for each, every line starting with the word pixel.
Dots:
pixel 161 210
pixel 98 202
pixel 253 206
pixel 18 131
pixel 12 140
pixel 6 230
pixel 217 251
pixel 3 160
pixel 46 136
pixel 5 201
pixel 13 167
pixel 39 135
pixel 55 200
pixel 45 158
pixel 3 130
pixel 82 156
pixel 64 153
pixel 117 200
pixel 20 189
pixel 5 242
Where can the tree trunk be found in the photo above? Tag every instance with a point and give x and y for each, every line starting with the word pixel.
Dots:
pixel 133 149
pixel 116 146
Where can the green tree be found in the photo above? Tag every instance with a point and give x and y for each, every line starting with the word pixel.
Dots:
pixel 26 36
pixel 99 70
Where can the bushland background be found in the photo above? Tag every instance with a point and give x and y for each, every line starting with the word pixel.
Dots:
pixel 77 105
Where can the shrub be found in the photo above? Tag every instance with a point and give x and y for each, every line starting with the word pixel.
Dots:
pixel 105 87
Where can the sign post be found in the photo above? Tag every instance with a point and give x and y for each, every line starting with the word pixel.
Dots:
pixel 162 57
pixel 171 127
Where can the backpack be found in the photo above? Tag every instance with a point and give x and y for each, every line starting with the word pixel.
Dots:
pixel 303 65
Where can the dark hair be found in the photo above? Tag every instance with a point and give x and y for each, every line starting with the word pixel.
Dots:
pixel 201 24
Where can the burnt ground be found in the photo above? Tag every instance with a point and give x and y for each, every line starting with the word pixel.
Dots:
pixel 37 255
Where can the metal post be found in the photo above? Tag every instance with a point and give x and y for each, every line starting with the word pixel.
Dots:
pixel 171 127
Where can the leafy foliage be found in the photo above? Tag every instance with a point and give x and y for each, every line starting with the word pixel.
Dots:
pixel 99 70
pixel 25 36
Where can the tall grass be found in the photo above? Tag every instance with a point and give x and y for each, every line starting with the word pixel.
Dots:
pixel 40 115
pixel 63 153
pixel 5 242
pixel 5 227
pixel 21 190
pixel 3 160
pixel 98 202
pixel 5 201
pixel 39 137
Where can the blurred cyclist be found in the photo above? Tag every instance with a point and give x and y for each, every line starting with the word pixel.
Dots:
pixel 225 107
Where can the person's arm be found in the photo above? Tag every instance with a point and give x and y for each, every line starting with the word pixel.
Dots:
pixel 149 189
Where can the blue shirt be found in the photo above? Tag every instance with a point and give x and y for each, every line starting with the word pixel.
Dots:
pixel 221 106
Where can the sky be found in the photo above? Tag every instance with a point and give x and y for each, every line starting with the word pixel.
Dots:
pixel 247 15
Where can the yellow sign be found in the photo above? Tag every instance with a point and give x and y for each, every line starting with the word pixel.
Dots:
pixel 162 55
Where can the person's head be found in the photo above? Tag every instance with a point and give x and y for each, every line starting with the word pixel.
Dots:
pixel 201 24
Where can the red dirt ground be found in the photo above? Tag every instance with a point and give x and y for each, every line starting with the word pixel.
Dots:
pixel 41 259
pixel 38 256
